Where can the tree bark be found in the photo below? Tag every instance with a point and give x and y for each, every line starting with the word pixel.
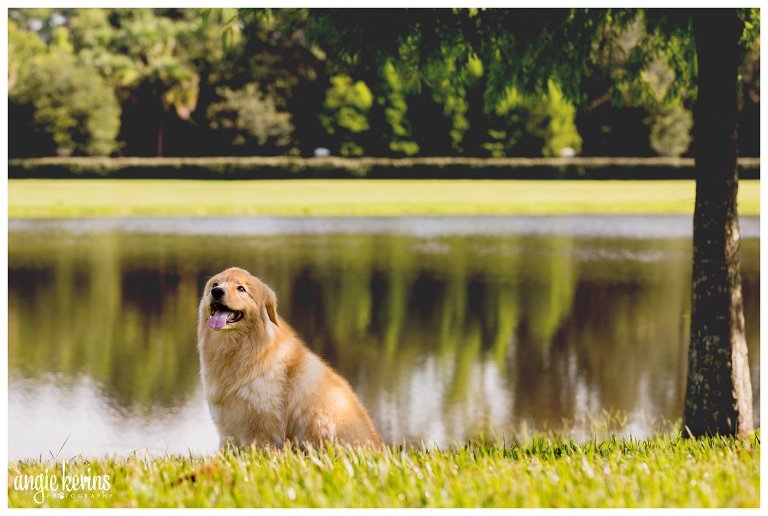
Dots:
pixel 718 396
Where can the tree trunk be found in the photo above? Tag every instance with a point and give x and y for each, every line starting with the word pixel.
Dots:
pixel 718 396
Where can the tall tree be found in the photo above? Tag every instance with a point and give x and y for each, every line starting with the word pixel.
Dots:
pixel 719 393
pixel 525 49
pixel 77 114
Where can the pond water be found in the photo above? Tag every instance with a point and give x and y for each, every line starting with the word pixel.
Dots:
pixel 446 327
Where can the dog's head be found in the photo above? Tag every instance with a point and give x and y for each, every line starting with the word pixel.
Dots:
pixel 235 300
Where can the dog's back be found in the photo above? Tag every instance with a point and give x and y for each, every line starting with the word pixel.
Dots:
pixel 322 406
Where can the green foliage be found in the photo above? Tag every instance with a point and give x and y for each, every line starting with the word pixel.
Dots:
pixel 439 79
pixel 75 114
pixel 23 46
pixel 275 54
pixel 393 97
pixel 562 133
pixel 671 130
pixel 78 110
pixel 213 34
pixel 346 112
pixel 246 115
pixel 91 29
pixel 640 57
pixel 438 50
pixel 751 34
pixel 520 48
pixel 540 471
pixel 153 44
pixel 533 125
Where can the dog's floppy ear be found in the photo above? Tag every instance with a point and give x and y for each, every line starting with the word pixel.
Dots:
pixel 270 303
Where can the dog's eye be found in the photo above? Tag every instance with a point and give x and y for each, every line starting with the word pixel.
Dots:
pixel 215 285
pixel 241 288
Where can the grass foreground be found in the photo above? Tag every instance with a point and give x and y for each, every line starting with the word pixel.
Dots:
pixel 60 198
pixel 660 472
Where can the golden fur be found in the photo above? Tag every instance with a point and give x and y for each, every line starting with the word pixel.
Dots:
pixel 262 384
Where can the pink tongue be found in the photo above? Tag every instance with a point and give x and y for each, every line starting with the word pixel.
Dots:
pixel 218 320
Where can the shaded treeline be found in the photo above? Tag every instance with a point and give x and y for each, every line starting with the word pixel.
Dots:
pixel 196 82
pixel 455 334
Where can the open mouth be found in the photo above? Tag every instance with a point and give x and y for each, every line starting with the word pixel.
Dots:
pixel 221 315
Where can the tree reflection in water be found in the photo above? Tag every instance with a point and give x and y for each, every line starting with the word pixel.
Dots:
pixel 443 337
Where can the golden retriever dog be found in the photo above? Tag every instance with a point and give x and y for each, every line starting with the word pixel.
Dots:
pixel 263 385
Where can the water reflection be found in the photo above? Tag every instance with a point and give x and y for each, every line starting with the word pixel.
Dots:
pixel 442 335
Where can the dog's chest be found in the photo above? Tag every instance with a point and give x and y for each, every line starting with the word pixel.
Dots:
pixel 256 408
pixel 265 392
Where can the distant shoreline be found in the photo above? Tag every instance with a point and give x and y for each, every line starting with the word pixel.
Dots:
pixel 289 167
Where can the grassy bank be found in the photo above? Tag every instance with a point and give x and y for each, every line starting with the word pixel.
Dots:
pixel 114 197
pixel 663 472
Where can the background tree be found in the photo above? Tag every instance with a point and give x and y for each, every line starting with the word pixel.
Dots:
pixel 168 67
pixel 161 77
pixel 75 114
pixel 541 125
pixel 718 394
pixel 526 49
pixel 347 105
pixel 246 117
pixel 276 55
pixel 23 46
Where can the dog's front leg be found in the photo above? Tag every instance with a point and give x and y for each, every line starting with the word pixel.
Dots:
pixel 227 443
pixel 266 431
pixel 267 442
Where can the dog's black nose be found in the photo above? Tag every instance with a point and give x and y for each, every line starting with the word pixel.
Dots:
pixel 217 292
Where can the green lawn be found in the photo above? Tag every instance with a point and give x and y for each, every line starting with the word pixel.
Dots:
pixel 662 472
pixel 116 197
